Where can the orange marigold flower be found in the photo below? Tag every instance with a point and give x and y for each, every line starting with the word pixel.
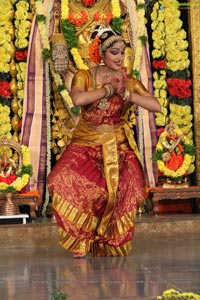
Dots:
pixel 103 18
pixel 79 18
pixel 94 50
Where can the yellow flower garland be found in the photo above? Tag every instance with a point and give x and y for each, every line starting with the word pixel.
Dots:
pixel 21 181
pixel 5 126
pixel 159 83
pixel 22 30
pixel 187 165
pixel 116 11
pixel 177 60
pixel 6 31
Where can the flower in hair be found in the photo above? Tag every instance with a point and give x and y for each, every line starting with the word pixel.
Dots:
pixel 94 50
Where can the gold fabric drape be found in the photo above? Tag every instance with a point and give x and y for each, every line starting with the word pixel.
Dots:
pixel 108 137
pixel 194 21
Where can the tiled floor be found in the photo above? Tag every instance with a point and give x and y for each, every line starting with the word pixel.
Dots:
pixel 33 273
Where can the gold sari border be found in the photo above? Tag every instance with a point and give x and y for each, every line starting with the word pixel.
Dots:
pixel 72 214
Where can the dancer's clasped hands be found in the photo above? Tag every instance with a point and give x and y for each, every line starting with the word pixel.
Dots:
pixel 118 81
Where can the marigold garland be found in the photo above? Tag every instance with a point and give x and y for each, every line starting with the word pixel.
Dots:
pixel 6 52
pixel 159 62
pixel 178 81
pixel 79 18
pixel 172 83
pixel 70 33
pixel 22 22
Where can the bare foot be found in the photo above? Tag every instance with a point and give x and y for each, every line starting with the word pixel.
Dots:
pixel 79 255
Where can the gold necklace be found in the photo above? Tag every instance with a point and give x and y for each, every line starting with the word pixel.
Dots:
pixel 107 74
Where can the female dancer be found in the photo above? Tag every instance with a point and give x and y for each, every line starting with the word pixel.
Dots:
pixel 97 184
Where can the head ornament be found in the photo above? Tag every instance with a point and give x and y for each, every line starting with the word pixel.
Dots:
pixel 103 38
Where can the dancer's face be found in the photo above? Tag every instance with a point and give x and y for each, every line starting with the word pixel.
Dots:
pixel 114 56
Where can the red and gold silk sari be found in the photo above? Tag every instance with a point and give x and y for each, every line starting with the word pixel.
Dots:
pixel 97 184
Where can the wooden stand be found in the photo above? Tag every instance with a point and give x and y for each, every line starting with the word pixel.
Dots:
pixel 17 200
pixel 158 194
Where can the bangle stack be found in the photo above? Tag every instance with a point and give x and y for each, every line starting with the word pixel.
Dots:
pixel 109 90
pixel 103 104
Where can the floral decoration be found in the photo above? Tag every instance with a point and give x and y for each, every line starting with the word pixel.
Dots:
pixel 159 62
pixel 6 33
pixel 94 50
pixel 5 89
pixel 187 166
pixel 22 176
pixel 178 74
pixel 69 32
pixel 173 294
pixel 79 18
pixel 88 3
pixel 41 20
pixel 179 88
pixel 22 22
pixel 68 21
pixel 172 82
pixel 103 18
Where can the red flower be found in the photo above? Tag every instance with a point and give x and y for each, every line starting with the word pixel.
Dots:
pixel 5 89
pixel 159 64
pixel 21 55
pixel 179 88
pixel 88 2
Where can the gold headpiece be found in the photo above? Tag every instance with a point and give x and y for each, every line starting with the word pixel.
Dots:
pixel 107 37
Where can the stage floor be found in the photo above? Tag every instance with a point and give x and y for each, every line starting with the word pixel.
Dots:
pixel 164 256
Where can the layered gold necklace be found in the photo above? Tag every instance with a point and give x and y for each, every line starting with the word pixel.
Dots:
pixel 105 74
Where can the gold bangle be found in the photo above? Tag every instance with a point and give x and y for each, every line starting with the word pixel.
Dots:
pixel 109 90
